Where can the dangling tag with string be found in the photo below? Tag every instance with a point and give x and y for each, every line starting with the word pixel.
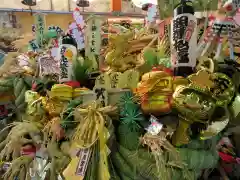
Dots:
pixel 155 127
pixel 84 156
pixel 33 45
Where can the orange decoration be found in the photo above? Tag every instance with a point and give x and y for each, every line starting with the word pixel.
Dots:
pixel 116 5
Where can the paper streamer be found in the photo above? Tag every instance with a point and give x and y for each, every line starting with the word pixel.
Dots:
pixel 77 34
pixel 40 24
pixel 93 36
pixel 78 18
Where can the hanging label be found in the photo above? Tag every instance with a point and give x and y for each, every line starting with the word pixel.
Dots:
pixel 40 24
pixel 66 55
pixel 77 34
pixel 48 65
pixel 84 156
pixel 101 96
pixel 184 40
pixel 151 13
pixel 33 45
pixel 155 127
pixel 93 36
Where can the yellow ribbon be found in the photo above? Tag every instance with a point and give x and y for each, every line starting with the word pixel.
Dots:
pixel 94 117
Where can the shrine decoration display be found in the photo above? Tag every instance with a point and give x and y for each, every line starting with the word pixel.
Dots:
pixel 159 102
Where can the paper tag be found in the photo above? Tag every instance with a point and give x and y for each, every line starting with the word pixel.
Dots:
pixel 93 37
pixel 84 156
pixel 48 65
pixel 33 45
pixel 40 23
pixel 155 127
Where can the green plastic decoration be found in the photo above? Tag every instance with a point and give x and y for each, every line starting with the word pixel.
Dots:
pixel 130 112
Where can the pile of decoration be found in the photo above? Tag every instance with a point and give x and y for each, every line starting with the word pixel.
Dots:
pixel 146 107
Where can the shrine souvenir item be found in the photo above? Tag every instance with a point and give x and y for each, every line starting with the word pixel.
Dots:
pixel 67 52
pixel 78 165
pixel 76 29
pixel 48 66
pixel 54 31
pixel 155 127
pixel 40 24
pixel 155 91
pixel 115 78
pixel 101 96
pixel 104 80
pixel 205 63
pixel 33 45
pixel 194 104
pixel 183 39
pixel 61 91
pixel 129 79
pixel 93 36
pixel 30 98
pixel 77 34
pixel 215 127
pixel 223 89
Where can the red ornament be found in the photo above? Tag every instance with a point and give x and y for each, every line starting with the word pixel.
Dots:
pixel 74 84
pixel 229 7
pixel 227 158
pixel 28 150
pixel 211 17
pixel 34 86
